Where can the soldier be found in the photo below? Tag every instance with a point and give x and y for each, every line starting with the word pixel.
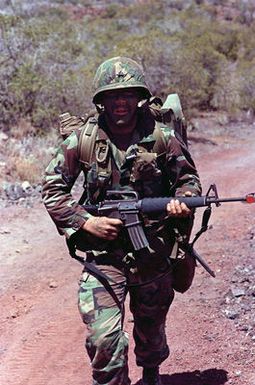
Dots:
pixel 126 156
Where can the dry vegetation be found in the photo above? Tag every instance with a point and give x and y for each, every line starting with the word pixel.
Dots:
pixel 49 51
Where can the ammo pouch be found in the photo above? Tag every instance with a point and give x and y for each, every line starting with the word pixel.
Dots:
pixel 183 271
pixel 145 176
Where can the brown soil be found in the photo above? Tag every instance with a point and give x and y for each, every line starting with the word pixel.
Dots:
pixel 42 336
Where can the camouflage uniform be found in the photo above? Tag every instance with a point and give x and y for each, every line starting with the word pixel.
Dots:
pixel 101 301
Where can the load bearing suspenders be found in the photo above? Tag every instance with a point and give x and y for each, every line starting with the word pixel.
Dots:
pixel 94 154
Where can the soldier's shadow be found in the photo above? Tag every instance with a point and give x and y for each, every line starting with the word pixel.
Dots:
pixel 206 377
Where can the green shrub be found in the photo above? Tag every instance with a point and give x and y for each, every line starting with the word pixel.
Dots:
pixel 247 85
pixel 48 59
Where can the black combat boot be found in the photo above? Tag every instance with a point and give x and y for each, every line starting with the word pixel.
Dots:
pixel 151 376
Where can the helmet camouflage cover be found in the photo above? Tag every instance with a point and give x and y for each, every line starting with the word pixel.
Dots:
pixel 119 73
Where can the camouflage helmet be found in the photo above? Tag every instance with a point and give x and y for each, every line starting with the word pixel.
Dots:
pixel 119 73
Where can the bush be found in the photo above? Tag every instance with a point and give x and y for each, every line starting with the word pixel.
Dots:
pixel 247 86
pixel 48 59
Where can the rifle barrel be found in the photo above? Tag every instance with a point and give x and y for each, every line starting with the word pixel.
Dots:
pixel 222 200
pixel 158 205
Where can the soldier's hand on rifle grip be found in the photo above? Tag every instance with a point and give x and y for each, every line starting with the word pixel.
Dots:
pixel 103 227
pixel 176 209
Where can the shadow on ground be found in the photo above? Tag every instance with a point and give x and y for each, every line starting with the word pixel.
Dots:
pixel 206 377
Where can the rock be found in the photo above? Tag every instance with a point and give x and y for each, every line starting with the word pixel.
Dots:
pixel 231 314
pixel 3 137
pixel 223 119
pixel 245 328
pixel 5 231
pixel 237 292
pixel 250 115
pixel 27 188
pixel 13 191
pixel 251 291
pixel 38 189
pixel 53 284
pixel 2 165
pixel 15 314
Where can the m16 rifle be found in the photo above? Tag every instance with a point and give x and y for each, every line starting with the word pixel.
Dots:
pixel 126 206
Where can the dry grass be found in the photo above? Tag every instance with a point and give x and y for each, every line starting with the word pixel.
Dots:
pixel 23 169
pixel 23 129
pixel 25 156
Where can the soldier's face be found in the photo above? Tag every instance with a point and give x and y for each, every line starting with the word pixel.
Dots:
pixel 121 106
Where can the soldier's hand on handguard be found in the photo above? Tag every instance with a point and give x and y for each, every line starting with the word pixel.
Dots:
pixel 177 209
pixel 103 227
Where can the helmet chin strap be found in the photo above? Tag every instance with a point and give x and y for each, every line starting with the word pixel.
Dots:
pixel 100 108
pixel 143 103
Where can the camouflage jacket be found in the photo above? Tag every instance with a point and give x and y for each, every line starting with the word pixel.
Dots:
pixel 176 168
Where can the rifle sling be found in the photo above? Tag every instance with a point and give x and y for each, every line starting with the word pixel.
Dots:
pixel 93 270
pixel 188 247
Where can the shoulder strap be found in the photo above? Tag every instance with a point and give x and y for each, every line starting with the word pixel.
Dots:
pixel 87 141
pixel 88 127
pixel 160 145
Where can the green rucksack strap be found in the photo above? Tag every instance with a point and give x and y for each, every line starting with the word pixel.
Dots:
pixel 87 142
pixel 88 127
pixel 160 146
pixel 94 154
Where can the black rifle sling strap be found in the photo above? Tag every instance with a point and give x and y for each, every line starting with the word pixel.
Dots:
pixel 93 270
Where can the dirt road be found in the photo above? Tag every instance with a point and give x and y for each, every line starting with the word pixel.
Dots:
pixel 42 336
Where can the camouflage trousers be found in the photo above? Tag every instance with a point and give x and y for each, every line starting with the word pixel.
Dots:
pixel 102 309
